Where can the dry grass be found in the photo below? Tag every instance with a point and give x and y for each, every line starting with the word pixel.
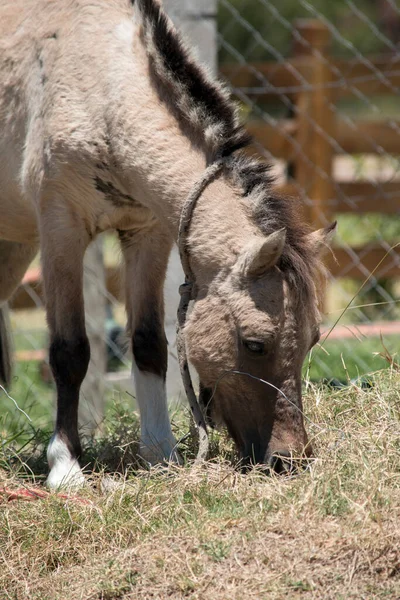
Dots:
pixel 211 532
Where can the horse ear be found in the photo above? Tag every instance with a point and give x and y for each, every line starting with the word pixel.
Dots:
pixel 261 254
pixel 321 239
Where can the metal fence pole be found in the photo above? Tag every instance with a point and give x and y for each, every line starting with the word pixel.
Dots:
pixel 198 21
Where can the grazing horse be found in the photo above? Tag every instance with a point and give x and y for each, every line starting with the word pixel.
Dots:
pixel 108 122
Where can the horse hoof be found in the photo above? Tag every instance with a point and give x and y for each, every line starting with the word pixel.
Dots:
pixel 65 472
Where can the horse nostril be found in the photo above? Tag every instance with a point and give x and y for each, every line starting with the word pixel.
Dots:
pixel 284 463
pixel 281 462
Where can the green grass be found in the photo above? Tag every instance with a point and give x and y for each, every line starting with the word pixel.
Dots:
pixel 209 531
pixel 340 360
pixel 350 358
pixel 32 396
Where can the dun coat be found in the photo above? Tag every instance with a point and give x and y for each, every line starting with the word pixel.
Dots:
pixel 107 122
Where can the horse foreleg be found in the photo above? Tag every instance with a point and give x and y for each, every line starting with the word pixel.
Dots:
pixel 146 258
pixel 63 244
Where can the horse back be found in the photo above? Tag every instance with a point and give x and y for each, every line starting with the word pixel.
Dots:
pixel 59 63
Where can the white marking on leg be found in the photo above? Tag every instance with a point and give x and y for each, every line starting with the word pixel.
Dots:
pixel 157 442
pixel 65 471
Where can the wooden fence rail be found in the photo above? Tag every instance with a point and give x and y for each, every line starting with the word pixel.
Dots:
pixel 268 80
pixel 280 138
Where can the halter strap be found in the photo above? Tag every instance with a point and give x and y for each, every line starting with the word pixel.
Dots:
pixel 187 293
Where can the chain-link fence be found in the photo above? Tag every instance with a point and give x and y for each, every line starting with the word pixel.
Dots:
pixel 318 83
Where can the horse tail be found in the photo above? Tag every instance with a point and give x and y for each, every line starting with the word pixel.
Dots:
pixel 5 347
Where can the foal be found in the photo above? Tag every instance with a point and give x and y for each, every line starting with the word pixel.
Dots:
pixel 107 122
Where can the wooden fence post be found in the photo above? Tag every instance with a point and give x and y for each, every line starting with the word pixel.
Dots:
pixel 316 122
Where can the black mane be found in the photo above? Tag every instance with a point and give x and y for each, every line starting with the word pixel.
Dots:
pixel 202 102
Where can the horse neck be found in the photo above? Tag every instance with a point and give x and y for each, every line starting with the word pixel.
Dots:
pixel 161 164
pixel 166 169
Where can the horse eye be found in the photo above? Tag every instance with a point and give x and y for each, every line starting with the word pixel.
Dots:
pixel 254 347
